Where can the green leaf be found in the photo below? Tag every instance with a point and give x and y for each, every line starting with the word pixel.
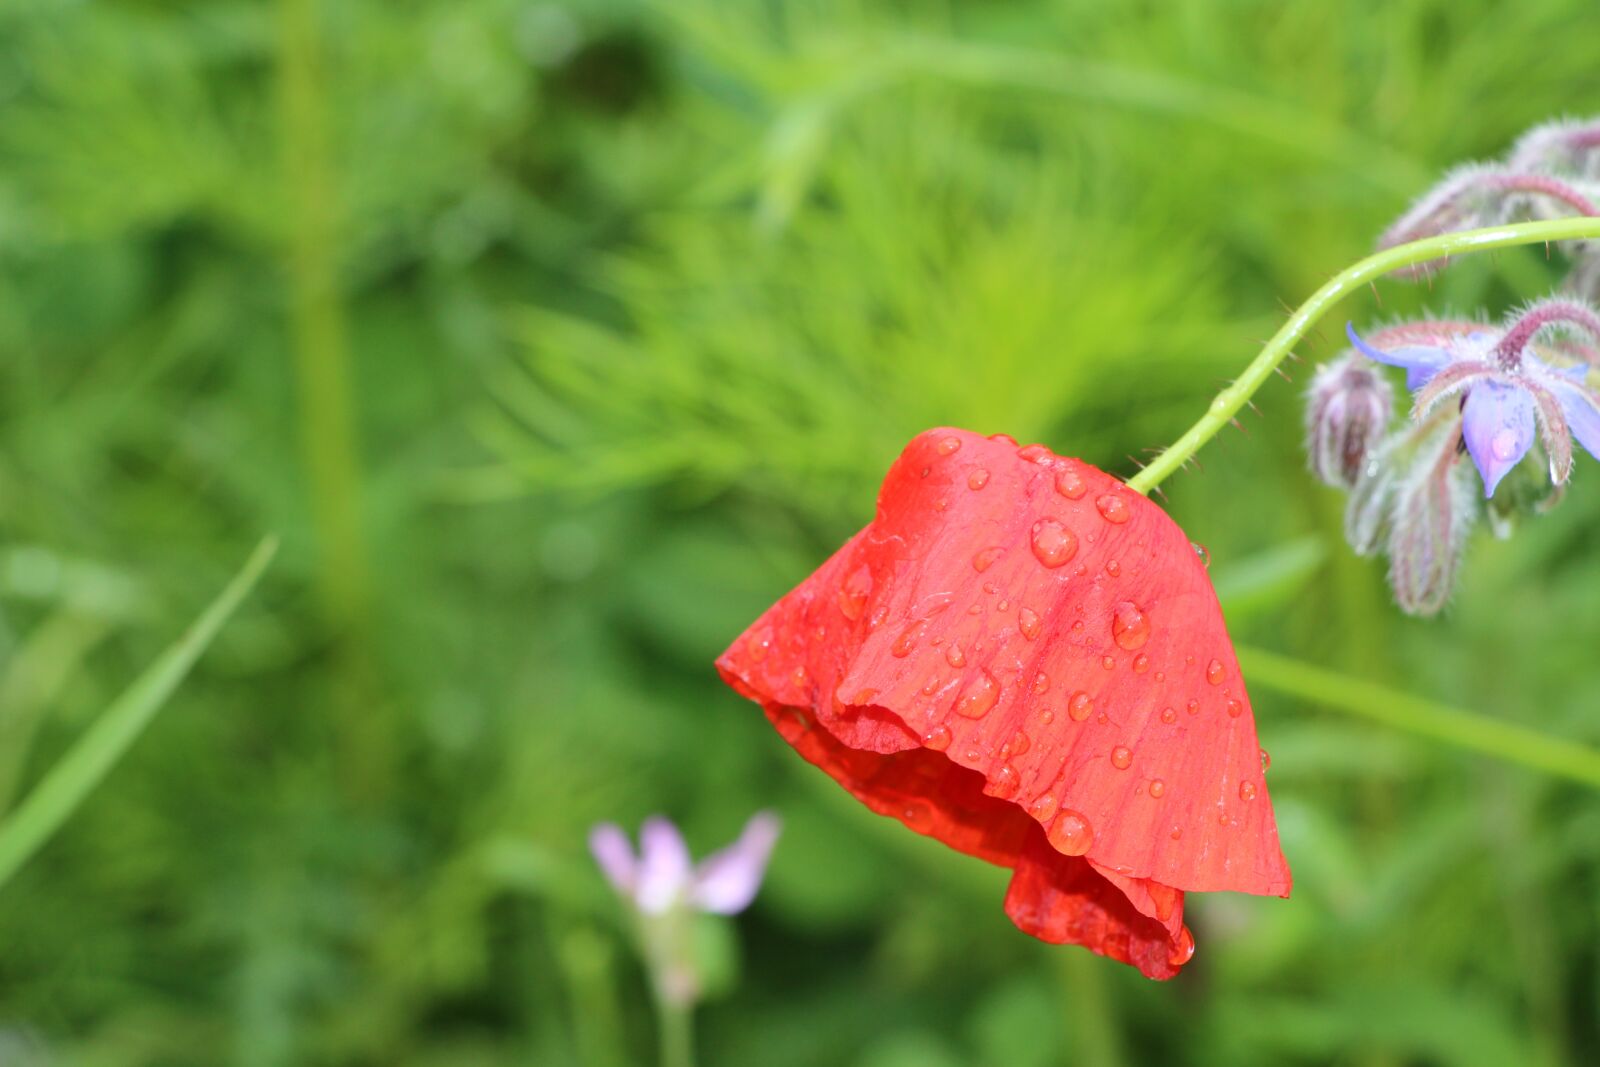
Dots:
pixel 72 779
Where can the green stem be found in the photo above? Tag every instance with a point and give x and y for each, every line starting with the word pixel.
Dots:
pixel 675 1021
pixel 1231 400
pixel 1463 729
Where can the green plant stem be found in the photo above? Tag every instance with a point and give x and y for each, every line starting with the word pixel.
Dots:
pixel 675 1022
pixel 1426 718
pixel 1229 402
pixel 77 773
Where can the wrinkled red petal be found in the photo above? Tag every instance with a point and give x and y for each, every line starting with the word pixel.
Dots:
pixel 1024 659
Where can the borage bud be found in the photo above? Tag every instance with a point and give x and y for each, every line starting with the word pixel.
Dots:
pixel 1347 412
pixel 1433 507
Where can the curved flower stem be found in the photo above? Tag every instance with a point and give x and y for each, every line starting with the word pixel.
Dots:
pixel 1228 402
pixel 1463 729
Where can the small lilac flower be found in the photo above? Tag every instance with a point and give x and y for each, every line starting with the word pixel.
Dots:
pixel 1347 414
pixel 1511 395
pixel 662 877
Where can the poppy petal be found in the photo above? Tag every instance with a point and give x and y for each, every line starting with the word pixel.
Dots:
pixel 1020 649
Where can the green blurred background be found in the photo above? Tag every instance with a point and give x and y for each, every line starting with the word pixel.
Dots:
pixel 556 339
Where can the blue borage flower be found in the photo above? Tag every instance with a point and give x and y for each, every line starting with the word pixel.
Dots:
pixel 1510 393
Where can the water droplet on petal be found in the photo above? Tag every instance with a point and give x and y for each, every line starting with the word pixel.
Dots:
pixel 984 558
pixel 1053 543
pixel 948 446
pixel 1020 743
pixel 864 697
pixel 1235 709
pixel 1047 716
pixel 1004 439
pixel 1176 833
pixel 1214 672
pixel 853 593
pixel 1108 663
pixel 1200 550
pixel 1071 834
pixel 1112 508
pixel 1161 676
pixel 1004 605
pixel 1129 626
pixel 1158 788
pixel 1069 485
pixel 1247 790
pixel 931 685
pixel 1005 782
pixel 1266 761
pixel 1121 757
pixel 1113 568
pixel 1080 706
pixel 978 479
pixel 1043 807
pixel 1033 453
pixel 1182 950
pixel 954 656
pixel 1041 683
pixel 1028 622
pixel 917 816
pixel 981 694
pixel 907 640
pixel 1504 444
pixel 1141 663
pixel 1193 706
pixel 1169 715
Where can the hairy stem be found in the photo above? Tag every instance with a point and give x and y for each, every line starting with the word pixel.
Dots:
pixel 1229 402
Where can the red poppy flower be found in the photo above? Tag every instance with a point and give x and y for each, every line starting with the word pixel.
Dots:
pixel 1024 659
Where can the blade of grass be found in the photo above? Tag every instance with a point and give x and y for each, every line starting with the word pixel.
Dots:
pixel 66 784
pixel 1464 729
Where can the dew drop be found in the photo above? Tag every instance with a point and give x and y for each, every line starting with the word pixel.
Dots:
pixel 758 646
pixel 1122 757
pixel 1176 833
pixel 864 697
pixel 1129 626
pixel 853 593
pixel 1043 807
pixel 1158 788
pixel 1102 718
pixel 799 677
pixel 1069 485
pixel 976 609
pixel 1161 676
pixel 1004 605
pixel 1004 439
pixel 1504 444
pixel 925 472
pixel 1214 672
pixel 1080 706
pixel 978 479
pixel 1033 453
pixel 981 695
pixel 937 738
pixel 1266 761
pixel 948 446
pixel 1113 568
pixel 1053 543
pixel 907 640
pixel 1071 834
pixel 1112 508
pixel 1041 683
pixel 983 559
pixel 1141 663
pixel 1005 782
pixel 1193 706
pixel 1108 663
pixel 931 686
pixel 1200 550
pixel 1020 743
pixel 954 656
pixel 918 817
pixel 1182 951
pixel 1169 715
pixel 1047 716
pixel 1235 709
pixel 1028 622
pixel 1247 790
pixel 941 504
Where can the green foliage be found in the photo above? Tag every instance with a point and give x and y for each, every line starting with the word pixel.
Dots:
pixel 634 304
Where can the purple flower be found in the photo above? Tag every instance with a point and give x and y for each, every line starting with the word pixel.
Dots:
pixel 1511 394
pixel 662 877
pixel 1347 413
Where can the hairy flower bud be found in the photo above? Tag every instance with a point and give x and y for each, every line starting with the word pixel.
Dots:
pixel 1347 412
pixel 1434 506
